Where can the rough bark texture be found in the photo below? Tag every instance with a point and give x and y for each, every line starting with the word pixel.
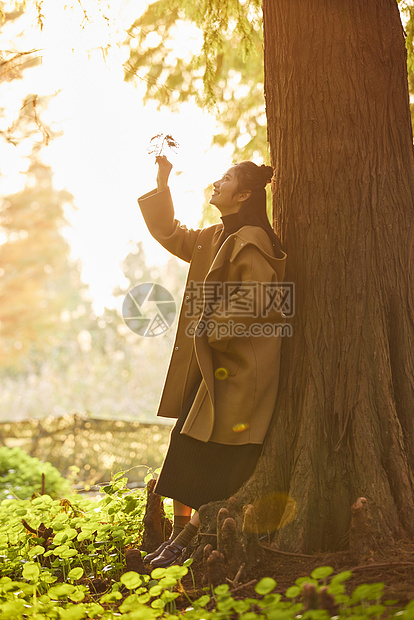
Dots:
pixel 341 144
pixel 157 527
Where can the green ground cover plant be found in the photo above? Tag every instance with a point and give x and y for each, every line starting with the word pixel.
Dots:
pixel 21 476
pixel 55 553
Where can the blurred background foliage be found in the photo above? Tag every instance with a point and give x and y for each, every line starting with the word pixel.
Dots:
pixel 219 66
pixel 21 476
pixel 57 357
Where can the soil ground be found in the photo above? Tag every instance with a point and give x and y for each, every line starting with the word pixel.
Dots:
pixel 394 567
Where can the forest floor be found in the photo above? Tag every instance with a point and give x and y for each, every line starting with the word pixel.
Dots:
pixel 394 567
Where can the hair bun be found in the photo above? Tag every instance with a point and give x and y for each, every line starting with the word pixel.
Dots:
pixel 267 173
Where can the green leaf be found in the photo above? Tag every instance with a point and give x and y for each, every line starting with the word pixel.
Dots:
pixel 31 571
pixel 155 590
pixel 168 596
pixel 60 538
pixel 240 606
pixel 59 549
pixel 157 573
pixel 293 592
pixel 37 550
pixel 21 512
pixel 129 604
pixel 94 609
pixel 176 571
pixel 368 592
pixel 225 604
pixel 131 580
pixel 63 589
pixel 77 596
pixel 202 601
pixel 167 582
pixel 130 504
pixel 265 585
pixel 74 612
pixel 144 598
pixel 75 573
pixel 13 609
pixel 47 577
pixel 322 572
pixel 221 590
pixel 340 577
pixel 68 553
pixel 270 599
pixel 119 474
pixel 251 615
pixel 110 597
pixel 300 580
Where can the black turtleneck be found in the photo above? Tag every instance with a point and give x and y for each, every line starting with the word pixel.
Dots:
pixel 231 224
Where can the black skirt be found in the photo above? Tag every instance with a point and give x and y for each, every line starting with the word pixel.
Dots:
pixel 196 472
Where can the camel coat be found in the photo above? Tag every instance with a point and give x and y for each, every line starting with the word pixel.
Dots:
pixel 236 397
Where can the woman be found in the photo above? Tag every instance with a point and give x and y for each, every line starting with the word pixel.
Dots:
pixel 222 379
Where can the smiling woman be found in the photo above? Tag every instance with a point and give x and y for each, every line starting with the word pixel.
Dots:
pixel 222 379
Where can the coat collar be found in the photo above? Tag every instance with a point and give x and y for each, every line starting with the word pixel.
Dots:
pixel 243 237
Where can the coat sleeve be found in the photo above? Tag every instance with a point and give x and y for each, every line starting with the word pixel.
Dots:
pixel 248 300
pixel 158 211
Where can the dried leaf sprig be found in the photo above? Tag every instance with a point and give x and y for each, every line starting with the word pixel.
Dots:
pixel 161 141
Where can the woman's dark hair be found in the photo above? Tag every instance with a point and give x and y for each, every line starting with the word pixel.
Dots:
pixel 253 210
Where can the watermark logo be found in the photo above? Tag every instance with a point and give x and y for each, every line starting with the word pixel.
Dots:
pixel 243 299
pixel 223 330
pixel 149 309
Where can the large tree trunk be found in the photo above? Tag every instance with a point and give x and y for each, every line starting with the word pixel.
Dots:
pixel 341 143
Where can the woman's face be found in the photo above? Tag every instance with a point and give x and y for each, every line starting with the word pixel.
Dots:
pixel 226 196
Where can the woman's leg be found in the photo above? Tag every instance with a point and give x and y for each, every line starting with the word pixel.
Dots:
pixel 182 514
pixel 181 510
pixel 171 552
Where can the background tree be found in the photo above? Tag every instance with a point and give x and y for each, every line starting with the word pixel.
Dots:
pixel 40 288
pixel 341 143
pixel 25 123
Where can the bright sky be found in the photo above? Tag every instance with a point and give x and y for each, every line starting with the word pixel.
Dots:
pixel 101 158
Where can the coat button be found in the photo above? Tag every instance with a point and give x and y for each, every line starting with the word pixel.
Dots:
pixel 242 243
pixel 199 247
pixel 176 348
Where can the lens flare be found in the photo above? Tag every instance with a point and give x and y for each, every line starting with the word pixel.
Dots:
pixel 274 511
pixel 239 428
pixel 221 374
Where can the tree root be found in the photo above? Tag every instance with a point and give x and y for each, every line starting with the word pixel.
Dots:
pixel 244 585
pixel 157 527
pixel 290 553
pixel 238 552
pixel 382 565
pixel 235 581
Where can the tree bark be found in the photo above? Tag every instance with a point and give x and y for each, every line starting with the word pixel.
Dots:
pixel 339 129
